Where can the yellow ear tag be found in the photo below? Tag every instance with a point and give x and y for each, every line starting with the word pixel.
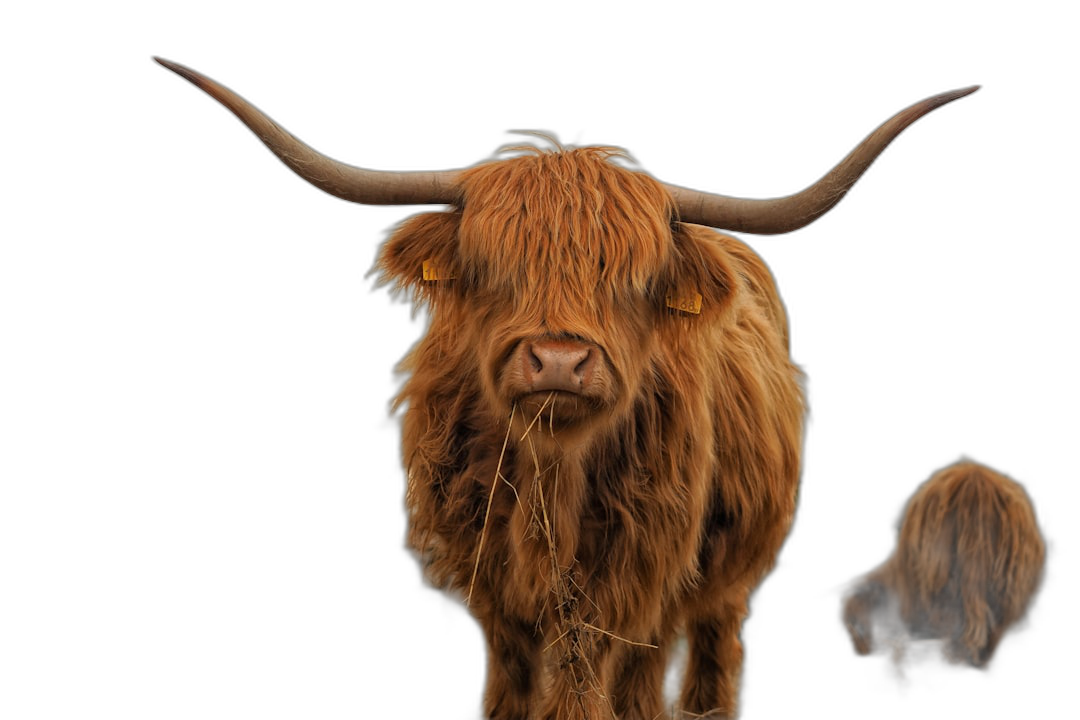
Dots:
pixel 433 272
pixel 688 303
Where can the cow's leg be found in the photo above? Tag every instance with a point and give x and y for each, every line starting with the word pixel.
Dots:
pixel 638 688
pixel 710 688
pixel 513 650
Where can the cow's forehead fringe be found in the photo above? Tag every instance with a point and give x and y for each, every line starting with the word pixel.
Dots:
pixel 569 212
pixel 610 153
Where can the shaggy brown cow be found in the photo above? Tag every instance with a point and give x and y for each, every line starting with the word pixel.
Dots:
pixel 603 425
pixel 967 562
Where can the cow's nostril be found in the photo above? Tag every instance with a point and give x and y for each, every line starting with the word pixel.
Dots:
pixel 534 361
pixel 583 367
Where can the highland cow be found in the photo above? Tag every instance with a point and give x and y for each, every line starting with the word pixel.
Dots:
pixel 602 424
pixel 967 563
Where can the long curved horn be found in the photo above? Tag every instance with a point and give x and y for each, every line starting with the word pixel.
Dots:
pixel 781 215
pixel 371 187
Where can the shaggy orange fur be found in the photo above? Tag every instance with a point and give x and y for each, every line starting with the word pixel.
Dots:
pixel 588 531
pixel 968 560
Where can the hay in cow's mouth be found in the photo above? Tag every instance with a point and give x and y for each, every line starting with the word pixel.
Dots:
pixel 560 409
pixel 575 638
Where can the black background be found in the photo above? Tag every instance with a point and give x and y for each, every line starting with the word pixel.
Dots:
pixel 255 362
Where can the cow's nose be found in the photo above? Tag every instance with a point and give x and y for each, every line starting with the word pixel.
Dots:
pixel 558 365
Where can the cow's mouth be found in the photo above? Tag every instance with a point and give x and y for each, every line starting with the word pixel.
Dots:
pixel 554 409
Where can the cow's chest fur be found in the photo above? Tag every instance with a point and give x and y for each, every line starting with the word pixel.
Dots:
pixel 591 538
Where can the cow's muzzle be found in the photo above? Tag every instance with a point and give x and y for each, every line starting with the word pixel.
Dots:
pixel 558 365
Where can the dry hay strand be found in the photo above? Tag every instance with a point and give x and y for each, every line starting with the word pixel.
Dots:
pixel 577 644
pixel 491 497
pixel 687 715
pixel 577 639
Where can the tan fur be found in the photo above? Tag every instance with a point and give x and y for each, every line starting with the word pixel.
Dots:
pixel 968 560
pixel 611 525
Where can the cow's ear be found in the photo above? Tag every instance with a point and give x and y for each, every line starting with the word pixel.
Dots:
pixel 421 254
pixel 700 278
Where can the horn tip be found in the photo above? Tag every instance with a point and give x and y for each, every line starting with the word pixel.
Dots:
pixel 957 94
pixel 184 72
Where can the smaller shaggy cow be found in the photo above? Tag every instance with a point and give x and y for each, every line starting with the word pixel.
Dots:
pixel 967 562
